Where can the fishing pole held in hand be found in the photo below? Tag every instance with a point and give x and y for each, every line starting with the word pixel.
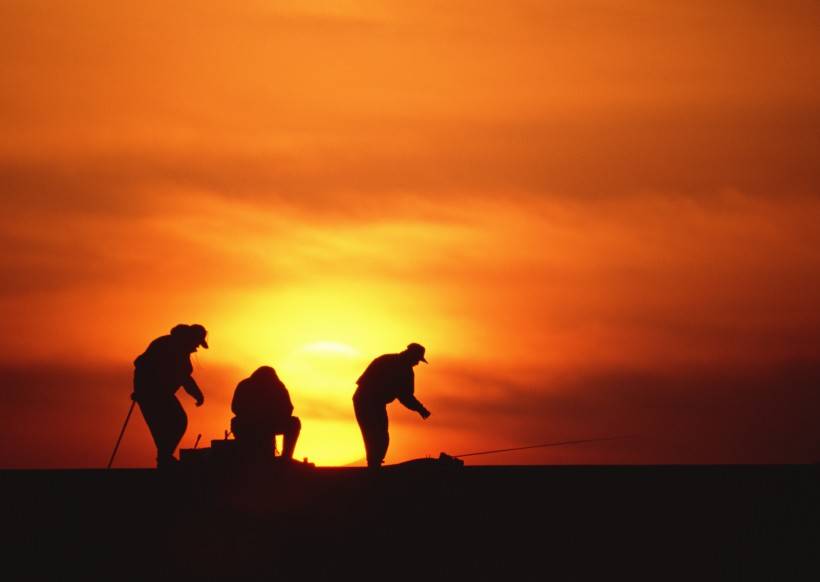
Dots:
pixel 122 432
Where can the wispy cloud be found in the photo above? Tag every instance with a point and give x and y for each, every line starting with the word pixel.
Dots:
pixel 757 413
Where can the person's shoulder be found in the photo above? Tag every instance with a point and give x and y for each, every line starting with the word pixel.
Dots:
pixel 385 361
pixel 158 345
pixel 244 384
pixel 395 364
pixel 157 341
pixel 166 342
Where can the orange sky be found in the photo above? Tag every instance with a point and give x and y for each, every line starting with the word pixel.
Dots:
pixel 600 218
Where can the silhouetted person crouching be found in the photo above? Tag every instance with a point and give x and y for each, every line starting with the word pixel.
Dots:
pixel 159 372
pixel 263 409
pixel 386 378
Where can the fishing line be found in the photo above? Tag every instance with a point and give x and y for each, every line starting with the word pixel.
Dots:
pixel 554 444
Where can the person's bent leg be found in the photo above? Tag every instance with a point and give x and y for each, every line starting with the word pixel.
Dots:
pixel 151 412
pixel 368 418
pixel 173 423
pixel 256 440
pixel 179 425
pixel 362 419
pixel 162 418
pixel 373 424
pixel 290 435
pixel 380 438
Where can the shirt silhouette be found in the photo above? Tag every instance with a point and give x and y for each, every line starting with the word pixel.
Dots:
pixel 263 409
pixel 159 372
pixel 387 378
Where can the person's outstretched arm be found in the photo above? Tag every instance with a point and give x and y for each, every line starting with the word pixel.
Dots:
pixel 413 403
pixel 407 396
pixel 191 387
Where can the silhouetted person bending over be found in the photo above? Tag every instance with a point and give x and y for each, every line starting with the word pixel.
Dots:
pixel 158 374
pixel 263 409
pixel 386 378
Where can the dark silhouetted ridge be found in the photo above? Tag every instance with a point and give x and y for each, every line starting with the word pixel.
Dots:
pixel 420 520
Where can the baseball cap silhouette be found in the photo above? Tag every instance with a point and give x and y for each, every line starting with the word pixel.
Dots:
pixel 418 350
pixel 195 331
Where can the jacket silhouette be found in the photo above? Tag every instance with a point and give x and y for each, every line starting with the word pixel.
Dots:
pixel 263 409
pixel 387 378
pixel 159 372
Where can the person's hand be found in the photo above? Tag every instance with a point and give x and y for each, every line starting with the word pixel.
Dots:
pixel 200 400
pixel 424 413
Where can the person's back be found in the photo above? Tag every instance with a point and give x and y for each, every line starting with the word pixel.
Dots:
pixel 258 400
pixel 263 409
pixel 386 378
pixel 162 368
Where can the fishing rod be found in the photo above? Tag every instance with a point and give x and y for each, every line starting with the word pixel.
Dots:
pixel 122 432
pixel 544 445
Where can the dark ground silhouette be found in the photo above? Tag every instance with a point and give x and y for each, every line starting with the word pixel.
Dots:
pixel 420 520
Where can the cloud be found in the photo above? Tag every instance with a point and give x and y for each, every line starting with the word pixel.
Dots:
pixel 698 414
pixel 546 187
pixel 61 415
pixel 339 111
pixel 69 414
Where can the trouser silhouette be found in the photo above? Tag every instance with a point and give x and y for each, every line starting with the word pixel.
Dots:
pixel 259 436
pixel 167 421
pixel 372 419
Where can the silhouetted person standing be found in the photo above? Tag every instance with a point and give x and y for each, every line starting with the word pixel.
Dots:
pixel 386 378
pixel 263 409
pixel 159 372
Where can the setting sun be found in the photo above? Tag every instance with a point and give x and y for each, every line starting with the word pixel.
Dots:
pixel 319 338
pixel 331 347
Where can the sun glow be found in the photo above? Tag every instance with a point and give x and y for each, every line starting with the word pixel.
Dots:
pixel 331 347
pixel 320 338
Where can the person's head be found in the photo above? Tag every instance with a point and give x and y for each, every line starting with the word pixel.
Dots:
pixel 415 353
pixel 266 375
pixel 190 336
